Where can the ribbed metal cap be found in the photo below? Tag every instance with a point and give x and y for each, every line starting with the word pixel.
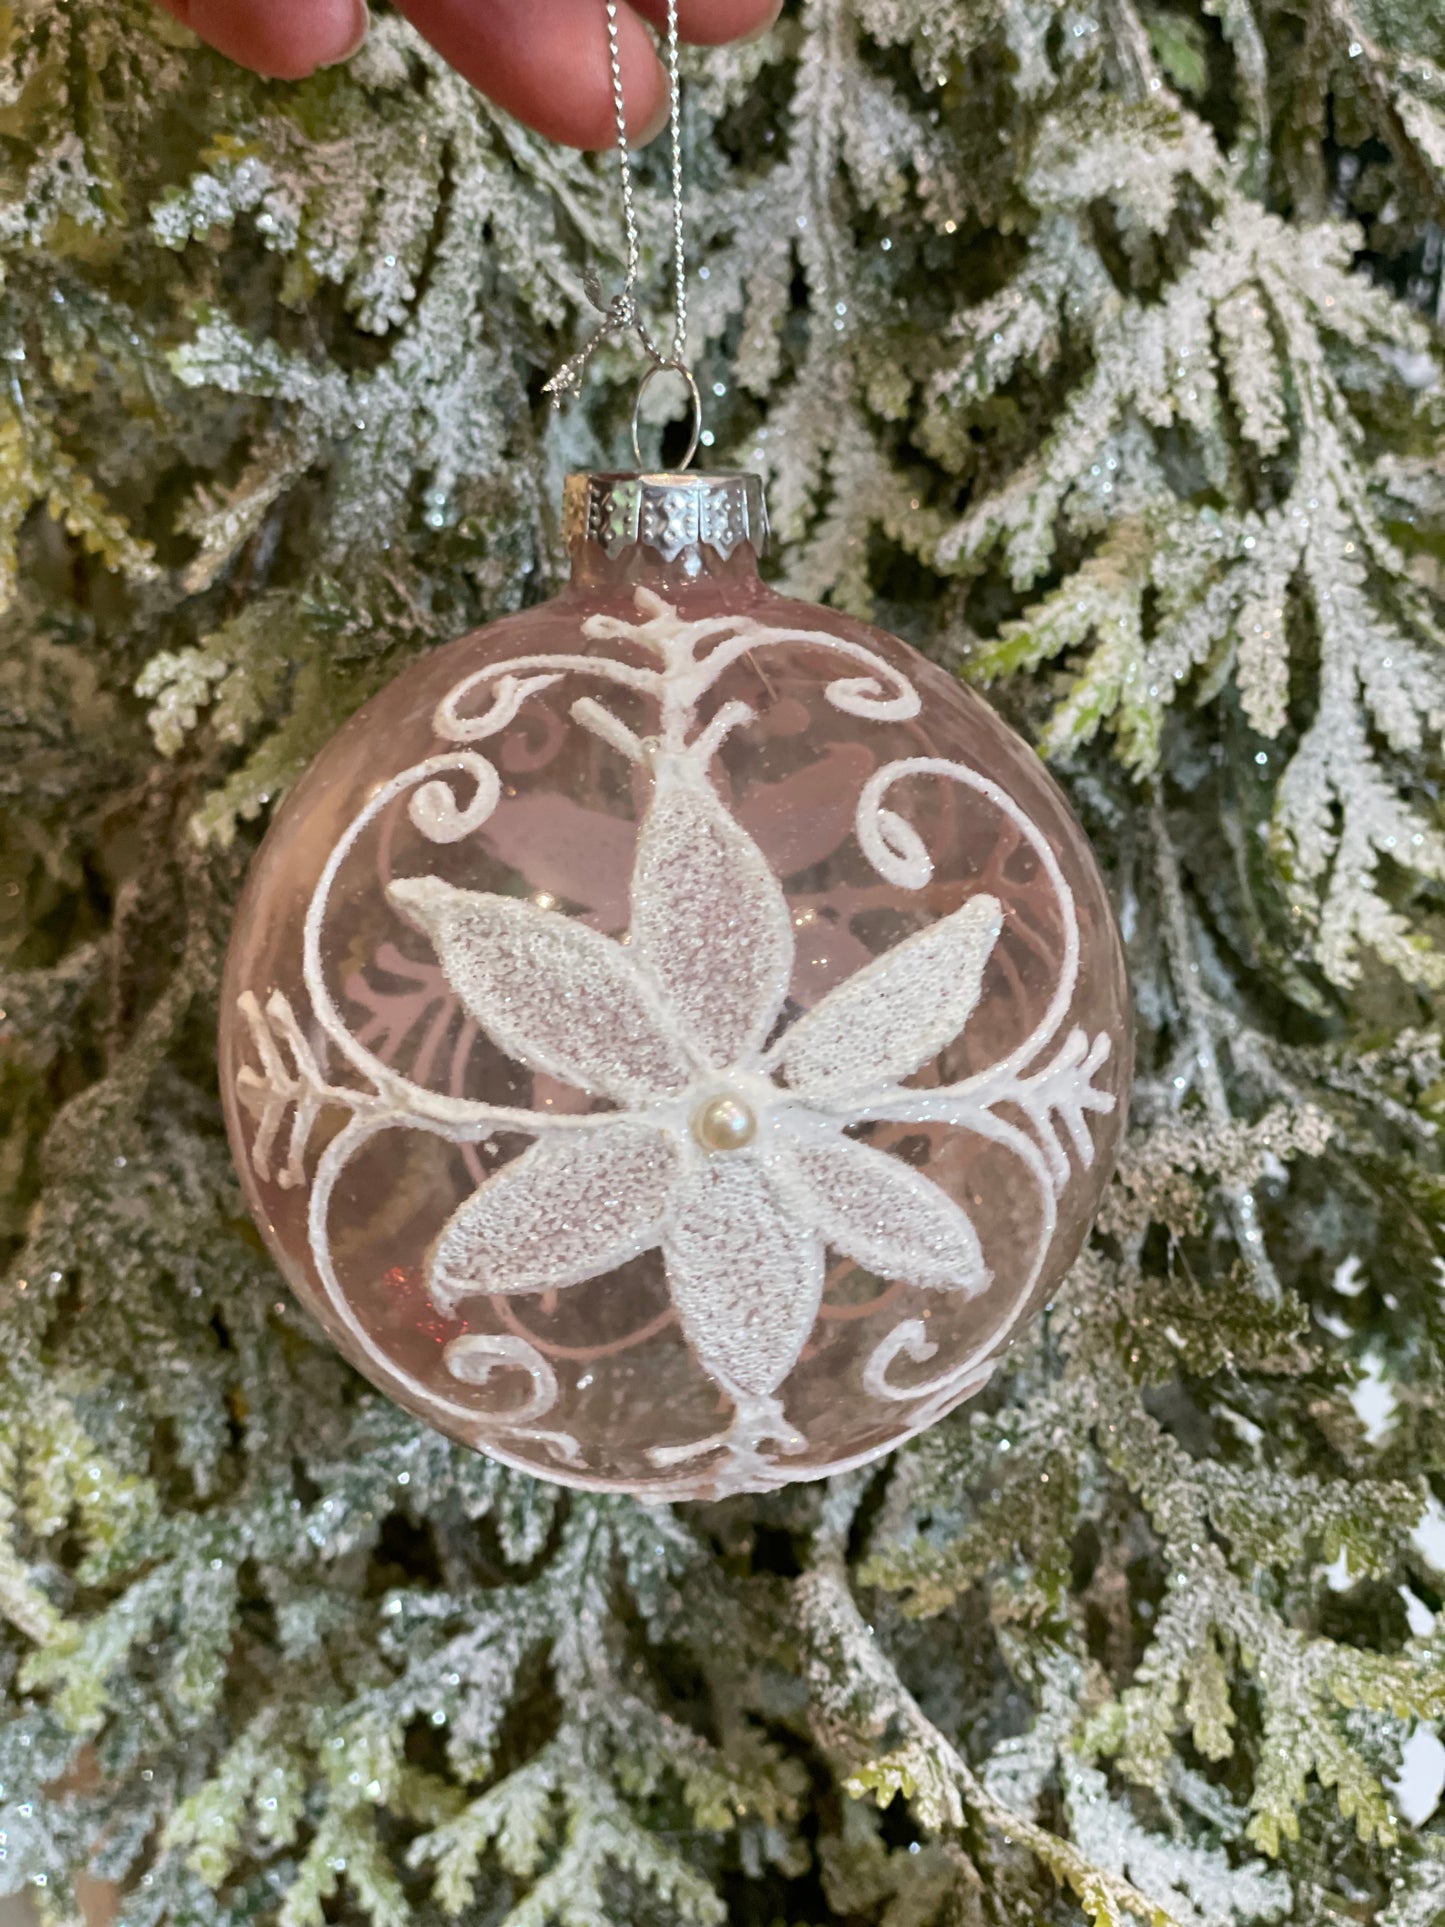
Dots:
pixel 668 512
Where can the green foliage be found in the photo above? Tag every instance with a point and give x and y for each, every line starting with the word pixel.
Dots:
pixel 1098 352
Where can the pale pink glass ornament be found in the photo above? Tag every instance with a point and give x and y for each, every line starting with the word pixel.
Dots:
pixel 673 1038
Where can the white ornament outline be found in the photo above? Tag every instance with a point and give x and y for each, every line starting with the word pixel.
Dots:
pixel 678 755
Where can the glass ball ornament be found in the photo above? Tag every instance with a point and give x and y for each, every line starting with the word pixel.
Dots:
pixel 674 1037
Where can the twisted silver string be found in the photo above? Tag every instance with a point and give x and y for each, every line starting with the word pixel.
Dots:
pixel 623 313
pixel 679 240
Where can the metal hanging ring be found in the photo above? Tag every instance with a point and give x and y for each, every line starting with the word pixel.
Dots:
pixel 665 368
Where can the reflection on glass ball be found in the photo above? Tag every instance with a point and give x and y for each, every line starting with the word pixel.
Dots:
pixel 673 1038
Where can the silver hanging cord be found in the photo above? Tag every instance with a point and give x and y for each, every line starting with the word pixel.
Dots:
pixel 679 247
pixel 623 315
pixel 694 402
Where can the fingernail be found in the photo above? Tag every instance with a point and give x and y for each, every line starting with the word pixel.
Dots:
pixel 655 123
pixel 765 27
pixel 358 35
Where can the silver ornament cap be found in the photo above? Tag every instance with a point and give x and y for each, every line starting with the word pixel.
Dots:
pixel 670 511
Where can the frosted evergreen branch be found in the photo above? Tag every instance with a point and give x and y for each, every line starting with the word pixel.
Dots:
pixel 1313 1677
pixel 927 1768
pixel 1418 147
pixel 1184 971
pixel 29 1610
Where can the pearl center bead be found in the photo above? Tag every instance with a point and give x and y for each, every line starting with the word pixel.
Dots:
pixel 724 1123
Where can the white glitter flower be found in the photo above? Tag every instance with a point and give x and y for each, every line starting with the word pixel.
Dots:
pixel 727 1151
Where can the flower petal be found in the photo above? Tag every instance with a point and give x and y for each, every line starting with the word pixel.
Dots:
pixel 710 923
pixel 746 1276
pixel 884 1215
pixel 575 1205
pixel 550 991
pixel 889 1019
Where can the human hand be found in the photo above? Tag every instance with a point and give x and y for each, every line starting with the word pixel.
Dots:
pixel 545 61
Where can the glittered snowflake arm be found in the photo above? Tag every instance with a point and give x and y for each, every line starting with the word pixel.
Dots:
pixel 683 676
pixel 301 1089
pixel 386 1096
pixel 1053 1097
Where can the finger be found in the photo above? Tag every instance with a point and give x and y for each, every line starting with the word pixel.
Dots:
pixel 285 39
pixel 710 22
pixel 548 63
